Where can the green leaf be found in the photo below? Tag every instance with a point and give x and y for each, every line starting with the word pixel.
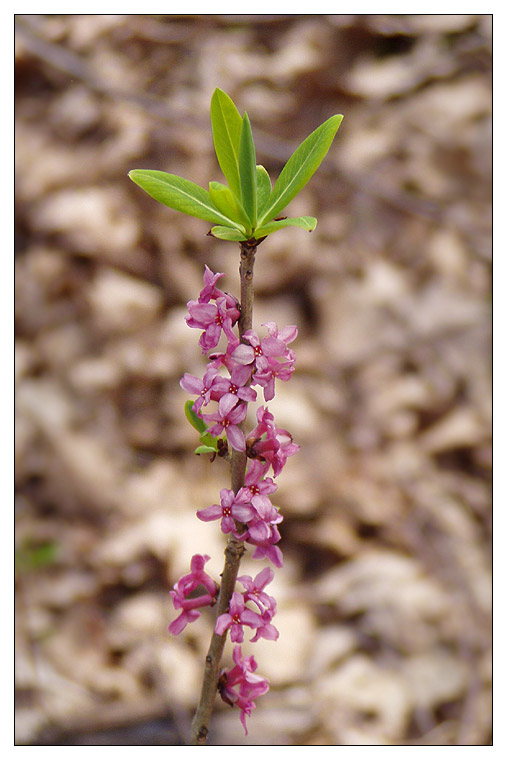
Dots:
pixel 247 171
pixel 194 420
pixel 303 163
pixel 263 188
pixel 205 450
pixel 226 233
pixel 179 194
pixel 226 126
pixel 209 441
pixel 226 202
pixel 306 222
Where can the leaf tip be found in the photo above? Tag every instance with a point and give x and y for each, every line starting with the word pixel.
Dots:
pixel 134 175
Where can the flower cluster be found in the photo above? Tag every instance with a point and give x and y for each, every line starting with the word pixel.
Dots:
pixel 239 614
pixel 250 685
pixel 228 382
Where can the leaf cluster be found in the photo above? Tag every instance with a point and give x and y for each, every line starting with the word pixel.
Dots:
pixel 248 207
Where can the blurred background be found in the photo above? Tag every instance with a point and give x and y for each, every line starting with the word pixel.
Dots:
pixel 384 598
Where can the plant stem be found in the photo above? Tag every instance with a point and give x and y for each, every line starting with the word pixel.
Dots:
pixel 235 548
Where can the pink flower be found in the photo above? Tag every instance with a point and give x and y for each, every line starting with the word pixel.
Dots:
pixel 210 292
pixel 250 685
pixel 185 586
pixel 254 480
pixel 267 630
pixel 203 388
pixel 212 319
pixel 260 527
pixel 189 612
pixel 287 448
pixel 228 417
pixel 196 577
pixel 274 344
pixel 258 349
pixel 233 507
pixel 273 370
pixel 224 358
pixel 243 669
pixel 265 423
pixel 267 549
pixel 270 443
pixel 286 334
pixel 238 616
pixel 237 384
pixel 254 590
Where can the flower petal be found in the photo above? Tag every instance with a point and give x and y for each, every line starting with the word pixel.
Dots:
pixel 223 623
pixel 243 354
pixel 235 437
pixel 210 513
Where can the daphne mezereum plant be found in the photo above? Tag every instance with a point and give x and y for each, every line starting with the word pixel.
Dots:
pixel 246 210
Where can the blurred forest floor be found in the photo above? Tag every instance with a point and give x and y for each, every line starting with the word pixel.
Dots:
pixel 385 595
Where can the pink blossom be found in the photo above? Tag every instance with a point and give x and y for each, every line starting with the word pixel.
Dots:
pixel 250 685
pixel 266 630
pixel 196 577
pixel 204 388
pixel 274 344
pixel 273 370
pixel 237 384
pixel 243 669
pixel 267 549
pixel 270 443
pixel 265 510
pixel 189 612
pixel 210 292
pixel 287 448
pixel 265 423
pixel 254 590
pixel 238 616
pixel 286 334
pixel 232 508
pixel 185 586
pixel 263 531
pixel 224 358
pixel 212 319
pixel 228 417
pixel 255 481
pixel 258 349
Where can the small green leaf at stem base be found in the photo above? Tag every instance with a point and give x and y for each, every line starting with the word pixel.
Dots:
pixel 205 450
pixel 209 442
pixel 226 233
pixel 305 222
pixel 193 418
